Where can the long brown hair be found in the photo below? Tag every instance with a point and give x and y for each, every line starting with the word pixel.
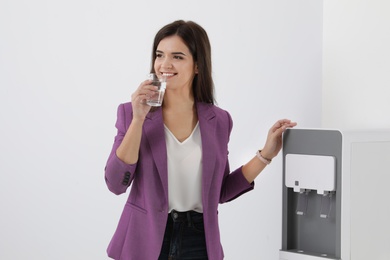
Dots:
pixel 197 41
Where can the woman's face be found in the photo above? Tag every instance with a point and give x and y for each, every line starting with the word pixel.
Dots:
pixel 174 60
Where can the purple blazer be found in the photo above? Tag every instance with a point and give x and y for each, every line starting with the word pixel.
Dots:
pixel 141 227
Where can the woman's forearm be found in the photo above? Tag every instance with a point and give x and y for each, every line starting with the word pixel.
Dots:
pixel 252 169
pixel 128 150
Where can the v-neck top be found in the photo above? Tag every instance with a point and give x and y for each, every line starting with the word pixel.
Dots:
pixel 184 171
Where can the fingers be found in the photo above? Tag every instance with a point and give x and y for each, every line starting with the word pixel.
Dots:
pixel 284 122
pixel 281 125
pixel 274 138
pixel 143 92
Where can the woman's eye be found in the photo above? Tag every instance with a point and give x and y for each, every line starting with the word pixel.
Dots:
pixel 158 55
pixel 178 57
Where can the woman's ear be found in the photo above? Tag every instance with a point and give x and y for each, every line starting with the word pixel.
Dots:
pixel 196 68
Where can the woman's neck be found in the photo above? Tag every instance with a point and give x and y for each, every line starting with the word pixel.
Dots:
pixel 178 101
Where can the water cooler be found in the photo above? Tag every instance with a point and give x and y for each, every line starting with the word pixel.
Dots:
pixel 335 190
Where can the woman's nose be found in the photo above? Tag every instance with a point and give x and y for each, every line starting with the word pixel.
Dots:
pixel 167 63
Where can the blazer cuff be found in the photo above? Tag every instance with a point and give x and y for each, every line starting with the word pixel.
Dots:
pixel 243 181
pixel 124 166
pixel 119 174
pixel 236 185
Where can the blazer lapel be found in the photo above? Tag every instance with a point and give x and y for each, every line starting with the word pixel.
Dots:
pixel 207 124
pixel 154 131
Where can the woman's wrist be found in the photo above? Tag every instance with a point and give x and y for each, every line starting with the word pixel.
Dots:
pixel 138 120
pixel 262 158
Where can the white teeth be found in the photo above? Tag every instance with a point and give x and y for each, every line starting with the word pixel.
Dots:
pixel 168 74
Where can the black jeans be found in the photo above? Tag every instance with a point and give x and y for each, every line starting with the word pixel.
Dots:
pixel 184 237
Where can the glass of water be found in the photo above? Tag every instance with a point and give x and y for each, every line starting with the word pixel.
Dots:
pixel 156 99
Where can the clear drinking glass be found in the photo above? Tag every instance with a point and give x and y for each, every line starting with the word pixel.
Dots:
pixel 156 99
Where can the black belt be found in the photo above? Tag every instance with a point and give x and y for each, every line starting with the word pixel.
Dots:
pixel 186 216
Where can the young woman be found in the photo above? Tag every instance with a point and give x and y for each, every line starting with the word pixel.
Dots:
pixel 175 157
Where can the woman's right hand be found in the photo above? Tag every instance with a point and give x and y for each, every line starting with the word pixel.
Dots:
pixel 139 97
pixel 128 149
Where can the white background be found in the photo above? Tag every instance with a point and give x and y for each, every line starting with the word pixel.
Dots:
pixel 356 64
pixel 66 65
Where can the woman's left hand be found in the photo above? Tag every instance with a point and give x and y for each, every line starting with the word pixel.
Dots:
pixel 274 138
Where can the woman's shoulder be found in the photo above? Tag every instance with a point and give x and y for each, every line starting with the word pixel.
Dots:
pixel 213 110
pixel 126 106
pixel 125 111
pixel 212 107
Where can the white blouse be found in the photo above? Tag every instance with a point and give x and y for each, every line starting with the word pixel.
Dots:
pixel 184 171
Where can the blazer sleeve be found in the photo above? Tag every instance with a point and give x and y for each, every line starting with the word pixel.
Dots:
pixel 118 174
pixel 234 183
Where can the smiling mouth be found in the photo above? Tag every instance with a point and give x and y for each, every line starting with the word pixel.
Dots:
pixel 167 75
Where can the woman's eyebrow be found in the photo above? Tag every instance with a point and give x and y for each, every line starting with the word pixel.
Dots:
pixel 174 53
pixel 178 52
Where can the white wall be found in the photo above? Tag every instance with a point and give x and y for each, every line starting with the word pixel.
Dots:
pixel 356 63
pixel 66 65
pixel 356 92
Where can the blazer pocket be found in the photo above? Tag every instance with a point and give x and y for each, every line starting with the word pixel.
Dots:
pixel 133 206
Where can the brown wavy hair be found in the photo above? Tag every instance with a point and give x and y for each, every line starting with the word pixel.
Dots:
pixel 197 41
